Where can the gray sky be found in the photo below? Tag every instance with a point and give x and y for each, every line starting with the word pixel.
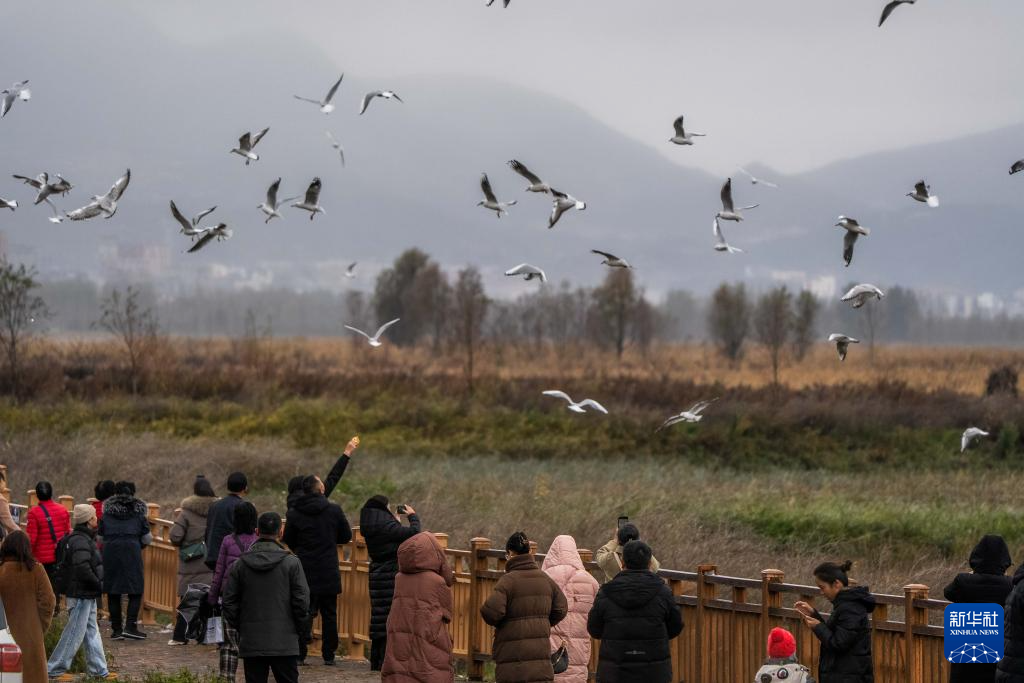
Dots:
pixel 793 84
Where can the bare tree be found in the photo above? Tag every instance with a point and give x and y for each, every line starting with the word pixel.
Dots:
pixel 470 310
pixel 805 317
pixel 614 306
pixel 729 319
pixel 773 323
pixel 20 309
pixel 135 326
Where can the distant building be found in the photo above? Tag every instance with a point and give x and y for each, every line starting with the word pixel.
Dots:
pixel 133 262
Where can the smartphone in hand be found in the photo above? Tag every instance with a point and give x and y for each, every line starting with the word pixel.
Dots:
pixel 623 521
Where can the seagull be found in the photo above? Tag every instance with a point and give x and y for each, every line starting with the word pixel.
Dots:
pixel 682 137
pixel 311 202
pixel 11 204
pixel 728 212
pixel 970 435
pixel 386 94
pixel 42 183
pixel 191 228
pixel 530 272
pixel 375 339
pixel 336 145
pixel 219 232
pixel 922 193
pixel 691 415
pixel 861 294
pixel 842 342
pixel 105 205
pixel 853 231
pixel 491 202
pixel 325 104
pixel 755 180
pixel 891 6
pixel 350 272
pixel 536 184
pixel 720 243
pixel 18 91
pixel 491 2
pixel 577 407
pixel 246 143
pixel 270 205
pixel 1017 167
pixel 611 260
pixel 563 202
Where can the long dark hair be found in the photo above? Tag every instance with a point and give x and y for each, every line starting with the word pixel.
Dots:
pixel 18 547
pixel 104 489
pixel 244 521
pixel 203 487
pixel 830 572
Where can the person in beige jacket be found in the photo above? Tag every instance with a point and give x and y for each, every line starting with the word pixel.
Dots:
pixel 609 556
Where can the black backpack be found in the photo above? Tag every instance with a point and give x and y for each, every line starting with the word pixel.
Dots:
pixel 63 570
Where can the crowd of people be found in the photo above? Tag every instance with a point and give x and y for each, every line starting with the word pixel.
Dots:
pixel 268 578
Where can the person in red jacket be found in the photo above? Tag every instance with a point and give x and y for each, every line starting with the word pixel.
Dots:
pixel 48 522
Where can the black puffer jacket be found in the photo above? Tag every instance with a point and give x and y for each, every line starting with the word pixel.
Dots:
pixel 988 583
pixel 635 616
pixel 1011 668
pixel 85 575
pixel 123 528
pixel 332 480
pixel 220 522
pixel 383 534
pixel 846 638
pixel 315 529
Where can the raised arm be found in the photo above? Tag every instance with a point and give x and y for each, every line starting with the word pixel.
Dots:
pixel 338 471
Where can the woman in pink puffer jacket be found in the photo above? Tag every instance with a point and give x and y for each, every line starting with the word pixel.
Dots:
pixel 564 566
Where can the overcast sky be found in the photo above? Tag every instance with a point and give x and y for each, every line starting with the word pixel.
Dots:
pixel 793 84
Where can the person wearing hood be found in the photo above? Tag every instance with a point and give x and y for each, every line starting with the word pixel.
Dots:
pixel 987 582
pixel 1011 667
pixel 125 529
pixel 384 533
pixel 333 477
pixel 417 626
pixel 635 616
pixel 266 600
pixel 189 535
pixel 782 662
pixel 315 529
pixel 563 564
pixel 523 607
pixel 846 636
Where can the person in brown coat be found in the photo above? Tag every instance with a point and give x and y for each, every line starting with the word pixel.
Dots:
pixel 419 645
pixel 28 602
pixel 189 535
pixel 524 606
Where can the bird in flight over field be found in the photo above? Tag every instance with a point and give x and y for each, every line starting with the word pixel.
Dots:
pixel 720 243
pixel 102 205
pixel 923 193
pixel 970 436
pixel 611 260
pixel 562 203
pixel 368 97
pixel 842 343
pixel 682 137
pixel 491 202
pixel 694 414
pixel 861 294
pixel 219 232
pixel 729 212
pixel 853 231
pixel 575 407
pixel 311 202
pixel 325 104
pixel 375 339
pixel 528 272
pixel 536 184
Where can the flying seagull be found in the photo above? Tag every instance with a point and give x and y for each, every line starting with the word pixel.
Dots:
pixel 577 407
pixel 754 180
pixel 853 231
pixel 246 144
pixel 490 201
pixel 46 188
pixel 611 260
pixel 336 145
pixel 691 415
pixel 842 342
pixel 536 184
pixel 350 272
pixel 11 204
pixel 682 137
pixel 325 104
pixel 720 243
pixel 191 227
pixel 18 91
pixel 491 2
pixel 891 6
pixel 311 202
pixel 219 232
pixel 270 205
pixel 375 339
pixel 1017 167
pixel 105 205
pixel 922 193
pixel 368 97
pixel 529 272
pixel 970 436
pixel 562 203
pixel 728 212
pixel 861 294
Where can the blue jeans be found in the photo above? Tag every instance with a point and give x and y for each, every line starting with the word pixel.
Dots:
pixel 81 628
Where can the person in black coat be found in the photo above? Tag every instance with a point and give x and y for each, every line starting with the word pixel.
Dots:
pixel 220 520
pixel 314 530
pixel 383 533
pixel 846 636
pixel 1011 668
pixel 988 582
pixel 635 616
pixel 333 477
pixel 125 529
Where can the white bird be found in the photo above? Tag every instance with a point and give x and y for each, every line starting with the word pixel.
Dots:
pixel 720 243
pixel 101 205
pixel 682 137
pixel 46 188
pixel 270 205
pixel 562 203
pixel 691 415
pixel 577 407
pixel 491 2
pixel 536 184
pixel 311 202
pixel 887 10
pixel 490 201
pixel 842 342
pixel 246 143
pixel 529 272
pixel 336 145
pixel 219 232
pixel 853 231
pixel 325 104
pixel 861 294
pixel 368 97
pixel 375 339
pixel 922 193
pixel 11 204
pixel 1017 167
pixel 191 227
pixel 611 260
pixel 754 180
pixel 18 91
pixel 350 272
pixel 970 435
pixel 729 212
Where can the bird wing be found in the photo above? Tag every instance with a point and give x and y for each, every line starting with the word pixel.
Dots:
pixel 334 89
pixel 558 394
pixel 90 210
pixel 746 173
pixel 849 239
pixel 272 193
pixel 245 142
pixel 678 125
pixel 202 214
pixel 34 182
pixel 593 404
pixel 384 328
pixel 765 182
pixel 674 420
pixel 752 206
pixel 367 98
pixel 259 136
pixel 699 406
pixel 395 95
pixel 888 10
pixel 525 172
pixel 556 212
pixel 313 192
pixel 1017 167
pixel 202 241
pixel 717 229
pixel 727 196
pixel 608 256
pixel 306 99
pixel 356 329
pixel 519 270
pixel 921 189
pixel 842 347
pixel 9 98
pixel 351 267
pixel 119 186
pixel 185 225
pixel 485 185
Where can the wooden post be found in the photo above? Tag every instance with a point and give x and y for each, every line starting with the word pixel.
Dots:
pixel 586 555
pixel 148 615
pixel 67 501
pixel 4 491
pixel 152 512
pixel 769 599
pixel 914 616
pixel 705 592
pixel 442 539
pixel 360 555
pixel 33 500
pixel 477 562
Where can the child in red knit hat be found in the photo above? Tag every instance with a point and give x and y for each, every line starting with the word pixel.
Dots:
pixel 782 664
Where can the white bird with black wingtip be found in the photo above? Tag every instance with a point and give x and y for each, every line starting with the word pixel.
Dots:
pixel 611 260
pixel 536 184
pixel 842 343
pixel 311 202
pixel 374 341
pixel 970 437
pixel 682 137
pixel 528 272
pixel 370 96
pixel 693 415
pixel 18 91
pixel 490 202
pixel 729 212
pixel 246 143
pixel 861 294
pixel 575 407
pixel 219 232
pixel 853 231
pixel 563 202
pixel 270 205
pixel 102 205
pixel 325 104
pixel 191 227
pixel 923 193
